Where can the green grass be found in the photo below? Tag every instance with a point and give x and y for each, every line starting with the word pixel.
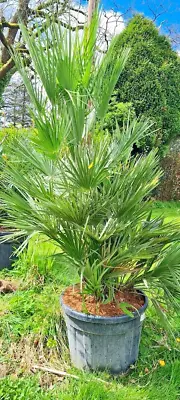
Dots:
pixel 32 331
pixel 28 388
pixel 168 209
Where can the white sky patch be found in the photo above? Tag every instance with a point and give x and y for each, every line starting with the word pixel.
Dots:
pixel 111 24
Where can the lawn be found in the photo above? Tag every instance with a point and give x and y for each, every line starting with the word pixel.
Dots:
pixel 32 332
pixel 168 209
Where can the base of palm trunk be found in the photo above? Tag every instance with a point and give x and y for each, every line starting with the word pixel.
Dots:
pixel 103 343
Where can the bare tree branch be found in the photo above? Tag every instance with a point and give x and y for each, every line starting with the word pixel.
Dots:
pixel 6 68
pixel 22 14
pixel 158 11
pixel 4 41
pixel 6 24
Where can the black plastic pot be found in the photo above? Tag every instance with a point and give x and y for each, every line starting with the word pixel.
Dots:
pixel 7 258
pixel 103 343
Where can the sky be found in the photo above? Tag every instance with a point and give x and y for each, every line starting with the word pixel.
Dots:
pixel 168 12
pixel 170 8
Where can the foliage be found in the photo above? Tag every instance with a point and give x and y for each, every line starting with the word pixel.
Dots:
pixel 7 137
pixel 9 133
pixel 39 265
pixel 117 113
pixel 168 210
pixel 151 79
pixel 28 313
pixel 96 196
pixel 20 389
pixel 173 205
pixel 24 324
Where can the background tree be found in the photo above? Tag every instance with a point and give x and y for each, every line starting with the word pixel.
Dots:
pixel 151 79
pixel 69 14
pixel 32 14
pixel 15 112
pixel 117 113
pixel 9 35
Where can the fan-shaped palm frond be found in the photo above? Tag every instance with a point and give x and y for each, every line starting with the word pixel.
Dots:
pixel 90 197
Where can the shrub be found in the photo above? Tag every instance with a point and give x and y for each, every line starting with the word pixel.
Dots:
pixel 9 133
pixel 151 80
pixel 118 113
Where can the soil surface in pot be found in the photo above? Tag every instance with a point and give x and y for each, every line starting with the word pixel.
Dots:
pixel 88 304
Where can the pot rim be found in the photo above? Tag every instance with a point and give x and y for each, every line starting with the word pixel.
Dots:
pixel 5 232
pixel 103 320
pixel 10 241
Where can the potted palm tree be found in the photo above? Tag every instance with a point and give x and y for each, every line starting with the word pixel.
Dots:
pixel 92 198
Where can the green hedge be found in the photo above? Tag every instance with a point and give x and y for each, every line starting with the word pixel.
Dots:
pixel 151 79
pixel 117 113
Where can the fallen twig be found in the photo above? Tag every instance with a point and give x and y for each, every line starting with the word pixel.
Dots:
pixel 63 373
pixel 54 371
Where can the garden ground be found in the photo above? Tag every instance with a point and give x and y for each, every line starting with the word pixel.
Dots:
pixel 32 332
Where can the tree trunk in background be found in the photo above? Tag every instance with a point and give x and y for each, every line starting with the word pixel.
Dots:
pixel 21 14
pixel 91 7
pixel 7 62
pixel 169 188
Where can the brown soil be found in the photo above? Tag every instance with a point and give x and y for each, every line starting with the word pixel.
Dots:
pixel 88 304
